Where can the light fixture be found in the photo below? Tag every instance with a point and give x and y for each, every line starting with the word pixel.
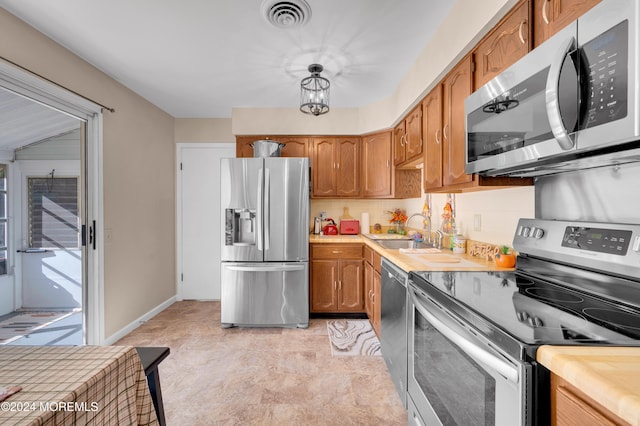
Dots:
pixel 314 92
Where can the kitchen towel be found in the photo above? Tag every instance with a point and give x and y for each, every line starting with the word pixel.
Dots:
pixel 364 223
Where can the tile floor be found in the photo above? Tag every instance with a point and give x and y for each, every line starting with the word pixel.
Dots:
pixel 262 376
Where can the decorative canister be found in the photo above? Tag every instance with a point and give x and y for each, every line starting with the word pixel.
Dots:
pixel 459 244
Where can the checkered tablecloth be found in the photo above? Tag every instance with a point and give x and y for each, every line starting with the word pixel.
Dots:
pixel 79 385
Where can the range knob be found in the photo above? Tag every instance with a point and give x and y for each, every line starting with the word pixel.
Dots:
pixel 526 231
pixel 535 322
pixel 537 233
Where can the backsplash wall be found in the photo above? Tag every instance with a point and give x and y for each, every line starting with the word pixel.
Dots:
pixel 499 211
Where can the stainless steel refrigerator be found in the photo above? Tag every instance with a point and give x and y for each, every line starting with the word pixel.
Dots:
pixel 265 247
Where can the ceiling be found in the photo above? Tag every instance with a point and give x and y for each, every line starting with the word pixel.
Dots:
pixel 23 121
pixel 201 58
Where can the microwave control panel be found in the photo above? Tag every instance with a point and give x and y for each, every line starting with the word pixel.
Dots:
pixel 606 59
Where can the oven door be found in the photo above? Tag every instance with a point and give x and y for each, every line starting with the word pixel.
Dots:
pixel 456 378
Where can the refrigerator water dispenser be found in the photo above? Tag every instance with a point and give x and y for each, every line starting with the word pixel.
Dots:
pixel 240 227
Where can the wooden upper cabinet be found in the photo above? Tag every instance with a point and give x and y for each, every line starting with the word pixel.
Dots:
pixel 323 167
pixel 432 133
pixel 348 167
pixel 407 138
pixel 457 86
pixel 550 16
pixel 399 135
pixel 413 141
pixel 295 146
pixel 377 167
pixel 509 41
pixel 335 167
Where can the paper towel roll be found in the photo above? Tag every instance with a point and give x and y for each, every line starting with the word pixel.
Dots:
pixel 364 223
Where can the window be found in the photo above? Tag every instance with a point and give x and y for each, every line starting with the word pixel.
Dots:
pixel 53 212
pixel 3 219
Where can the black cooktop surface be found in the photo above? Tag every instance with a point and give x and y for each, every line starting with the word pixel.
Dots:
pixel 537 311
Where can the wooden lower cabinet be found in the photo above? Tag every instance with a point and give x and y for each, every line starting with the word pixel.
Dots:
pixel 571 406
pixel 372 285
pixel 336 278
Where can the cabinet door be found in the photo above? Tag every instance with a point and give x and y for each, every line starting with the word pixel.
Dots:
pixel 432 132
pixel 368 290
pixel 377 173
pixel 324 283
pixel 350 286
pixel 243 146
pixel 457 87
pixel 550 16
pixel 295 147
pixel 508 42
pixel 413 140
pixel 377 291
pixel 348 167
pixel 399 134
pixel 323 167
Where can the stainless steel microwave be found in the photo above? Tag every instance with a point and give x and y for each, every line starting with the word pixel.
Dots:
pixel 571 103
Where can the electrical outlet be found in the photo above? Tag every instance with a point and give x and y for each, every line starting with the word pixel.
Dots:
pixel 477 222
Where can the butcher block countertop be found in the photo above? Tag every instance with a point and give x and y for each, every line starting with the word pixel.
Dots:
pixel 609 375
pixel 446 260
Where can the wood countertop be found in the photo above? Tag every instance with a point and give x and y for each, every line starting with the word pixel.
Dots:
pixel 609 375
pixel 415 262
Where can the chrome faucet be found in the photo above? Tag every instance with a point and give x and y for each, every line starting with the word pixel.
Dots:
pixel 439 237
pixel 428 227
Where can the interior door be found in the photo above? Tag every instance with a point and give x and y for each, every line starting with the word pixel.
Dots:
pixel 199 219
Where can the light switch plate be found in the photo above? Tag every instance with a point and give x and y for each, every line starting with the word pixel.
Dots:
pixel 477 222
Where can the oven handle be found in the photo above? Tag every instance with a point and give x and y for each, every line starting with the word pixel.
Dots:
pixel 506 370
pixel 552 96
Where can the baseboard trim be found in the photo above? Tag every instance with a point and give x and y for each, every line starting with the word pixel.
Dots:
pixel 138 322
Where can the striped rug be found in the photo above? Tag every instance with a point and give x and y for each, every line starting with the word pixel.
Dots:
pixel 353 337
pixel 23 323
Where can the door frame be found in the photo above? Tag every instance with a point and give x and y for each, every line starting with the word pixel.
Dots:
pixel 45 92
pixel 179 147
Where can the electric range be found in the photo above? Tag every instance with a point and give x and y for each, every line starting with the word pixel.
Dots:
pixel 575 283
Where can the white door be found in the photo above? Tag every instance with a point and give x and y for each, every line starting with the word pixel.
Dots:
pixel 199 221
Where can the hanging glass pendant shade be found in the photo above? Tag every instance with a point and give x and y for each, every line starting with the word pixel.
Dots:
pixel 314 92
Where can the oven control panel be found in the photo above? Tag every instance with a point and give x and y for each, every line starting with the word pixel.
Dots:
pixel 609 247
pixel 612 241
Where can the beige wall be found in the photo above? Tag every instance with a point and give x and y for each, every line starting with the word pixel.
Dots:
pixel 139 175
pixel 203 130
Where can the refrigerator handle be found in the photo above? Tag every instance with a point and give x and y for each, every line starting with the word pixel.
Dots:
pixel 260 210
pixel 265 267
pixel 267 208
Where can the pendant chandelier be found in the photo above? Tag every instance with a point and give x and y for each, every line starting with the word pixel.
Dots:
pixel 314 92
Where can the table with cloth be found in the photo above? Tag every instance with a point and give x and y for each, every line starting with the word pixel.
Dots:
pixel 74 385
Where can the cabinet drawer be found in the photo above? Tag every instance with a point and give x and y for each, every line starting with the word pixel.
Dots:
pixel 377 261
pixel 336 251
pixel 368 255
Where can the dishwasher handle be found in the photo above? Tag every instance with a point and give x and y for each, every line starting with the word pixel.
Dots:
pixel 505 369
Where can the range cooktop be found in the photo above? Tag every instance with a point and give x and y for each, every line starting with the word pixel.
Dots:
pixel 538 312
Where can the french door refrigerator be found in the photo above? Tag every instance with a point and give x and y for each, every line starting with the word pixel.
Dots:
pixel 265 247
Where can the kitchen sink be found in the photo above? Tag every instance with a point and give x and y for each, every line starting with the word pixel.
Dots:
pixel 398 244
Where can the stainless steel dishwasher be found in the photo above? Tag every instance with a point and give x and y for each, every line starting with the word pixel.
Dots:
pixel 393 325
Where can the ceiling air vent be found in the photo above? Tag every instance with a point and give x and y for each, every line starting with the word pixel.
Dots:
pixel 286 14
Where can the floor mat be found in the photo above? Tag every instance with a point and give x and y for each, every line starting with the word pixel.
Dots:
pixel 353 337
pixel 17 326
